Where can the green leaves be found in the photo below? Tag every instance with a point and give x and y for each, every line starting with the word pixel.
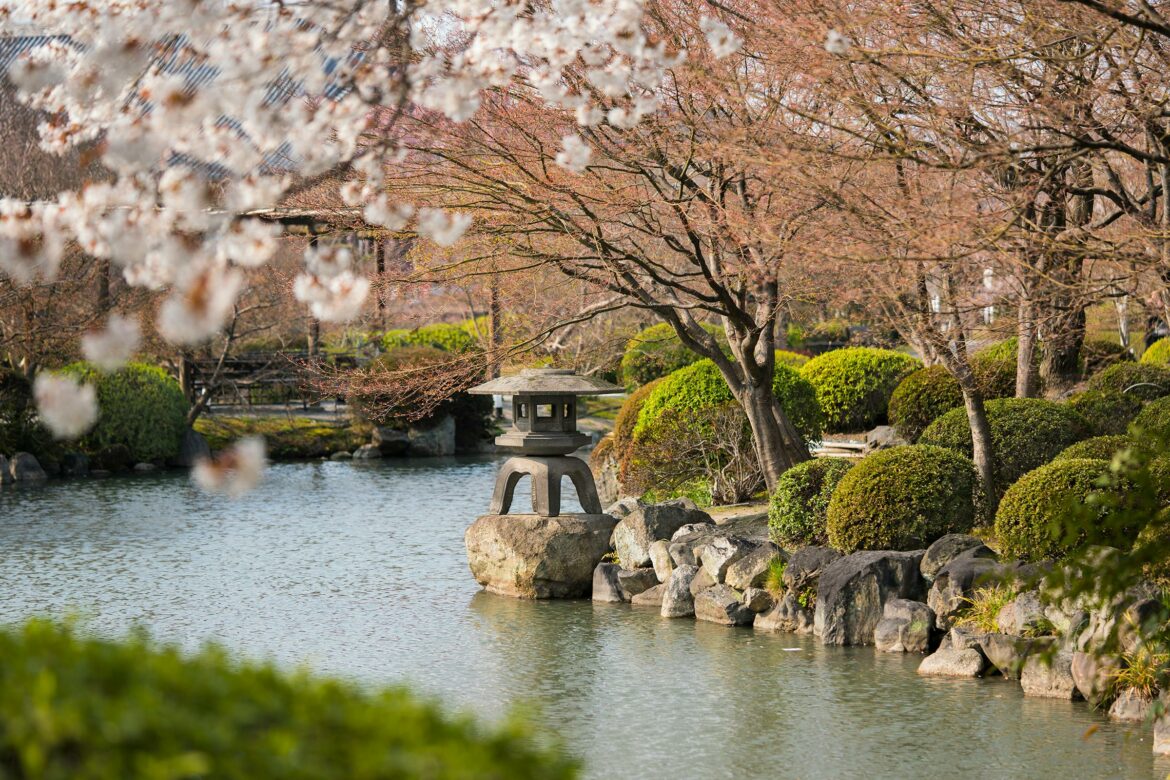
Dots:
pixel 854 385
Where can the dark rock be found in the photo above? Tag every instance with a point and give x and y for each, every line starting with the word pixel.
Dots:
pixel 950 547
pixel 660 559
pixel 1008 652
pixel 433 441
pixel 192 449
pixel 905 627
pixel 367 452
pixel 74 464
pixel 953 663
pixel 721 604
pixel 757 600
pixel 804 566
pixel 646 524
pixel 391 442
pixel 954 584
pixel 786 615
pixel 5 474
pixel 1049 677
pixel 24 467
pixel 605 583
pixel 651 597
pixel 635 581
pixel 115 458
pixel 145 468
pixel 1022 615
pixel 852 593
pixel 751 571
pixel 681 554
pixel 677 600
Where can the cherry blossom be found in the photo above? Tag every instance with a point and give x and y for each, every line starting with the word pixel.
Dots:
pixel 67 407
pixel 836 43
pixel 441 227
pixel 575 154
pixel 235 471
pixel 112 348
pixel 720 38
pixel 201 306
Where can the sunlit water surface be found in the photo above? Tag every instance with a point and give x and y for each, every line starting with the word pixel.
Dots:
pixel 358 569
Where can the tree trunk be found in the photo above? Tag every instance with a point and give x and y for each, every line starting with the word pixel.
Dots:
pixel 982 448
pixel 779 446
pixel 1027 384
pixel 1062 351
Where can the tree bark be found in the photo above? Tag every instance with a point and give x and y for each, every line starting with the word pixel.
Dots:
pixel 779 446
pixel 982 448
pixel 1027 380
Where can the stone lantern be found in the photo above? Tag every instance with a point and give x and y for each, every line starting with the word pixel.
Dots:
pixel 543 434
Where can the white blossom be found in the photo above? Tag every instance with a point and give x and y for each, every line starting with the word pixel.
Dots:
pixel 249 242
pixel 574 155
pixel 588 116
pixel 337 298
pixel 67 407
pixel 380 212
pixel 235 471
pixel 200 308
pixel 720 38
pixel 836 43
pixel 441 227
pixel 112 348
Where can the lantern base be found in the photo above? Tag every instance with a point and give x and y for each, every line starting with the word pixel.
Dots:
pixel 546 473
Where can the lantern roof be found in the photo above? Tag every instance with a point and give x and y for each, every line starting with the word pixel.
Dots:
pixel 546 381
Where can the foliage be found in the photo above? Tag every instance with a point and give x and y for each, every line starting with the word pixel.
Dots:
pixel 1153 420
pixel 77 707
pixel 922 397
pixel 448 338
pixel 1025 432
pixel 1008 349
pixel 658 351
pixel 853 385
pixel 799 506
pixel 902 498
pixel 700 385
pixel 1141 671
pixel 625 423
pixel 697 490
pixel 140 407
pixel 996 378
pixel 1158 353
pixel 1107 411
pixel 20 430
pixel 286 437
pixel 983 606
pixel 1096 448
pixel 1142 380
pixel 828 330
pixel 1098 354
pixel 1030 522
pixel 774 581
pixel 791 359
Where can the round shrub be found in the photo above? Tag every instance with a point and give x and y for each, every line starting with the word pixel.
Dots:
pixel 921 398
pixel 75 707
pixel 1096 448
pixel 996 378
pixel 1141 380
pixel 1153 420
pixel 700 385
pixel 799 506
pixel 1107 412
pixel 854 385
pixel 1008 349
pixel 902 498
pixel 1026 433
pixel 441 336
pixel 791 359
pixel 140 407
pixel 1031 522
pixel 624 424
pixel 1098 354
pixel 1158 353
pixel 658 351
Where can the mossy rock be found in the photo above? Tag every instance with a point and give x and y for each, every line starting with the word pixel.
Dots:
pixel 902 498
pixel 1158 353
pixel 1142 380
pixel 921 398
pixel 1096 448
pixel 1108 412
pixel 854 385
pixel 657 352
pixel 798 508
pixel 1032 522
pixel 1025 432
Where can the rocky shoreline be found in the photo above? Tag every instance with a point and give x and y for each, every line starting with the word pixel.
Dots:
pixel 677 559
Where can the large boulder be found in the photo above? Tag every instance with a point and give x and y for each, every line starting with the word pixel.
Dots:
pixel 367 452
pixel 905 627
pixel 721 604
pixel 804 567
pixel 1049 677
pixel 677 600
pixel 1131 706
pixel 606 588
pixel 751 571
pixel 1008 652
pixel 950 662
pixel 701 581
pixel 646 524
pixel 635 581
pixel 1093 675
pixel 192 449
pixel 1023 615
pixel 686 543
pixel 391 442
pixel 1162 727
pixel 953 585
pixel 528 556
pixel 786 615
pixel 24 467
pixel 651 597
pixel 433 441
pixel 660 559
pixel 605 477
pixel 950 547
pixel 853 591
pixel 719 554
pixel 758 600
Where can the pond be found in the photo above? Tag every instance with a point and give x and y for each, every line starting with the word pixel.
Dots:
pixel 358 569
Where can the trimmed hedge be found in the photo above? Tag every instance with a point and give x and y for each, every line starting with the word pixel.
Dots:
pixel 140 407
pixel 921 398
pixel 1096 448
pixel 1153 421
pixel 1108 412
pixel 657 352
pixel 1031 522
pixel 74 707
pixel 1147 381
pixel 798 509
pixel 1099 354
pixel 902 498
pixel 700 385
pixel 1158 353
pixel 1008 349
pixel 441 336
pixel 854 385
pixel 785 357
pixel 624 424
pixel 1026 433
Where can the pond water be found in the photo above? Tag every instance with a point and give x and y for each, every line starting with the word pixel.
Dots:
pixel 358 569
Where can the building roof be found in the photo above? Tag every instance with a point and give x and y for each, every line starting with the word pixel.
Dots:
pixel 546 381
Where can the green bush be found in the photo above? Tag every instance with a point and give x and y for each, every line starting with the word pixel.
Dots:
pixel 996 378
pixel 74 707
pixel 1008 349
pixel 20 430
pixel 656 352
pixel 1153 421
pixel 448 338
pixel 1107 412
pixel 798 508
pixel 1142 380
pixel 1030 523
pixel 1025 432
pixel 854 385
pixel 1158 353
pixel 140 407
pixel 625 423
pixel 1096 448
pixel 1098 354
pixel 700 385
pixel 921 398
pixel 785 357
pixel 902 498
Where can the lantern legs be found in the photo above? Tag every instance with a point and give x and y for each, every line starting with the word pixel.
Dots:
pixel 546 476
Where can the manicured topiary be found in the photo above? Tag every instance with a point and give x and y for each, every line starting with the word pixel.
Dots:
pixel 1141 380
pixel 700 385
pixel 799 506
pixel 1025 432
pixel 1153 421
pixel 790 359
pixel 996 378
pixel 1031 522
pixel 658 351
pixel 1008 349
pixel 448 338
pixel 1096 448
pixel 854 385
pixel 902 498
pixel 921 398
pixel 74 707
pixel 140 407
pixel 1107 412
pixel 1098 354
pixel 1158 353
